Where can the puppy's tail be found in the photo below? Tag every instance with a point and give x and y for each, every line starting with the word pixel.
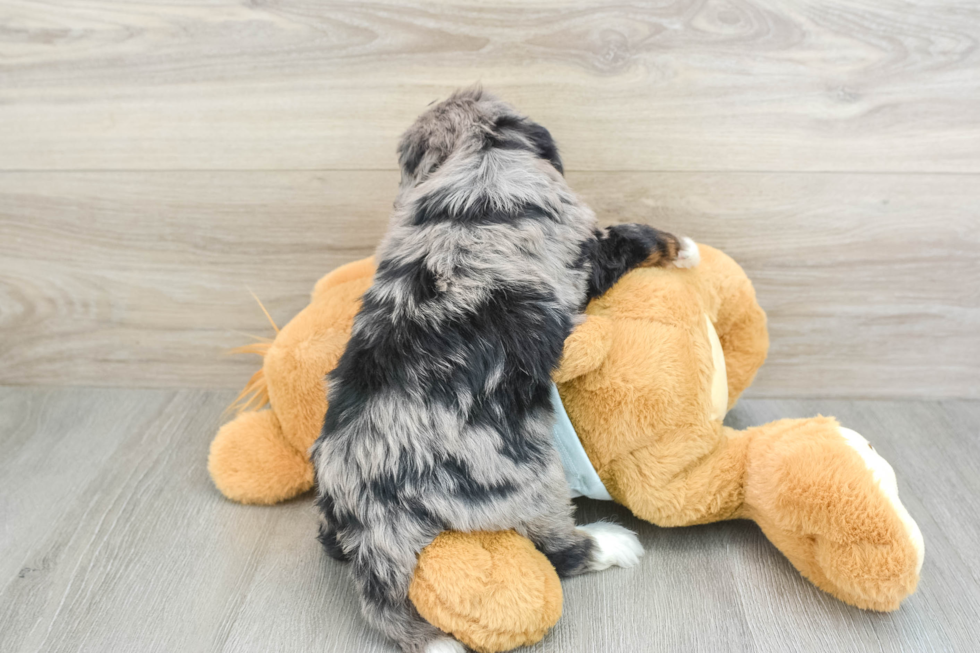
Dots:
pixel 255 394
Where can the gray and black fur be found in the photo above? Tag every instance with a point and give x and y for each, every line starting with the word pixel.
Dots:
pixel 439 415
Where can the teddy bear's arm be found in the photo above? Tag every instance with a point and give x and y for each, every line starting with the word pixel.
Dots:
pixel 585 349
pixel 309 347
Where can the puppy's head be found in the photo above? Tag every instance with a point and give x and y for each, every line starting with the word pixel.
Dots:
pixel 470 120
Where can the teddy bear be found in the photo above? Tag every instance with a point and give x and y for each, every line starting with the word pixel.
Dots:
pixel 643 387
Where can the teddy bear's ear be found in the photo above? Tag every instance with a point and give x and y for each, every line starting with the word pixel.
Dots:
pixel 585 349
pixel 345 273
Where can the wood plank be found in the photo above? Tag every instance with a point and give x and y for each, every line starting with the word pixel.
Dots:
pixel 141 278
pixel 871 282
pixel 872 85
pixel 41 474
pixel 119 542
pixel 146 555
pixel 120 278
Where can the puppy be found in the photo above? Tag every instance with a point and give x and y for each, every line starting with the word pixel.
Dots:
pixel 439 413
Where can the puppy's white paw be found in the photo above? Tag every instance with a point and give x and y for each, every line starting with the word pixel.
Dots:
pixel 615 545
pixel 689 254
pixel 445 645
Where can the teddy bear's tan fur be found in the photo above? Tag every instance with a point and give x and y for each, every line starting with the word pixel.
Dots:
pixel 646 381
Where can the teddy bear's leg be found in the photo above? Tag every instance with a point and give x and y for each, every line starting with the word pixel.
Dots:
pixel 494 591
pixel 251 462
pixel 695 479
pixel 829 502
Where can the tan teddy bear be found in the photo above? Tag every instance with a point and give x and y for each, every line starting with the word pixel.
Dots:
pixel 645 382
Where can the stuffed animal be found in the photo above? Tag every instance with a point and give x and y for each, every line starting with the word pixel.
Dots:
pixel 644 383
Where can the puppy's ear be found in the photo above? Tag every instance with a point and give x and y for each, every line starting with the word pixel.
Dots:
pixel 411 149
pixel 585 349
pixel 545 145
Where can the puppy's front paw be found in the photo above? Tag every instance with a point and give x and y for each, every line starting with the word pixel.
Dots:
pixel 688 255
pixel 615 545
pixel 445 645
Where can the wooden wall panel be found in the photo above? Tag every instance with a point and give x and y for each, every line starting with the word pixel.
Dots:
pixel 871 281
pixel 159 158
pixel 745 85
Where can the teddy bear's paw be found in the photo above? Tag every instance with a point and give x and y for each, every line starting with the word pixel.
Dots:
pixel 689 255
pixel 493 591
pixel 615 546
pixel 252 462
pixel 445 645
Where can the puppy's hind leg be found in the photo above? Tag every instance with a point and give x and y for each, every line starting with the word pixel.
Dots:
pixel 575 550
pixel 615 546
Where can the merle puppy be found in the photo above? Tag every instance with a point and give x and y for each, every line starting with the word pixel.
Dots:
pixel 439 413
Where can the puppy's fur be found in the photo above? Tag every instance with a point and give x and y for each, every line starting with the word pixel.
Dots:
pixel 439 413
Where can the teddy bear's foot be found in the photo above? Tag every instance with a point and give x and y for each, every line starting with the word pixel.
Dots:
pixel 251 462
pixel 875 575
pixel 493 591
pixel 884 475
pixel 830 503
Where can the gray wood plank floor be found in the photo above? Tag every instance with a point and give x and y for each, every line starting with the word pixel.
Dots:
pixel 113 539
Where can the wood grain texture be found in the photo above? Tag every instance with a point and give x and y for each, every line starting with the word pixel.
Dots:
pixel 158 158
pixel 114 539
pixel 871 282
pixel 871 85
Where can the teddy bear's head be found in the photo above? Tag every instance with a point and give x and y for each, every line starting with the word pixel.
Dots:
pixel 647 367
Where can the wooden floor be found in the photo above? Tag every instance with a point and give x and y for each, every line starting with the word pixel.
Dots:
pixel 113 539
